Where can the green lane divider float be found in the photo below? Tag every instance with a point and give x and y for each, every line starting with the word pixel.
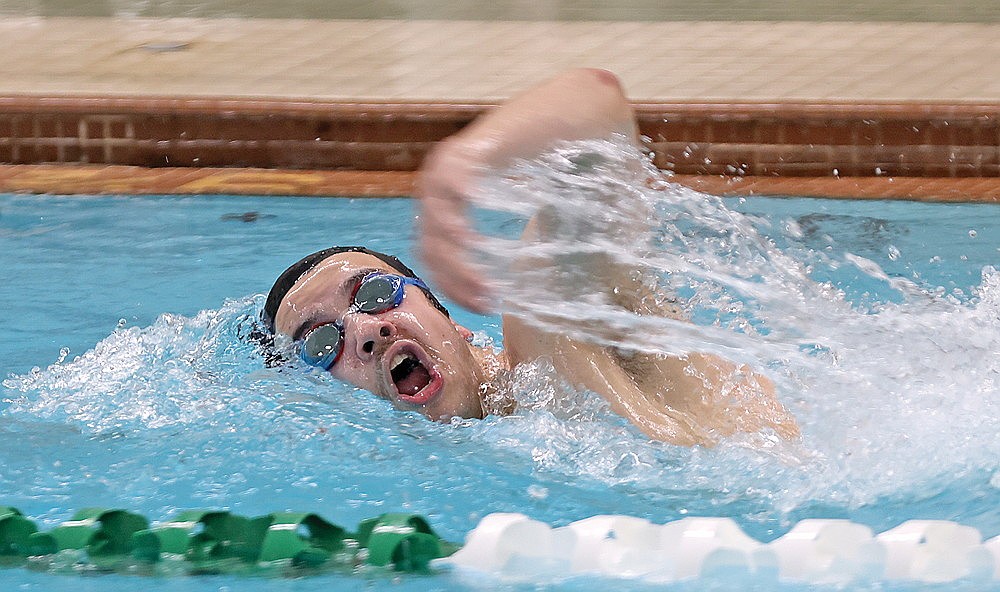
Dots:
pixel 15 531
pixel 207 541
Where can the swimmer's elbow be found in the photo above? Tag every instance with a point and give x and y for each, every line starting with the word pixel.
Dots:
pixel 598 81
pixel 604 78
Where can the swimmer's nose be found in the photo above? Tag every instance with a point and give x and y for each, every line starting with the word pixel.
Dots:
pixel 371 334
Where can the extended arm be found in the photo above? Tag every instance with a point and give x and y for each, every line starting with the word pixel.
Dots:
pixel 580 104
pixel 678 400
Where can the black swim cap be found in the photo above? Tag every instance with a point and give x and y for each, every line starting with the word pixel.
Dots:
pixel 291 275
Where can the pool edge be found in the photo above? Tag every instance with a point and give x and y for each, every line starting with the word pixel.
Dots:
pixel 268 146
pixel 69 179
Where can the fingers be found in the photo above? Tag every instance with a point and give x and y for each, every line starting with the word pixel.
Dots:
pixel 445 239
pixel 454 276
pixel 446 179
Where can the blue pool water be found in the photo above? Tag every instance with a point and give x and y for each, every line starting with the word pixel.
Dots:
pixel 126 384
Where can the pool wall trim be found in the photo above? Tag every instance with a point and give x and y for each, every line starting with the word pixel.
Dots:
pixel 105 144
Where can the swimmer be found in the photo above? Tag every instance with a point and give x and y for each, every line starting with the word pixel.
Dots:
pixel 366 318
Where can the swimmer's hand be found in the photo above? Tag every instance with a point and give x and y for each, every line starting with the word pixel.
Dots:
pixel 448 176
pixel 576 105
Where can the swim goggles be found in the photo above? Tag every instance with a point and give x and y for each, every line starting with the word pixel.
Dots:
pixel 374 294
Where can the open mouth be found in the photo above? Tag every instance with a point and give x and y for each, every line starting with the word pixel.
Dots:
pixel 414 378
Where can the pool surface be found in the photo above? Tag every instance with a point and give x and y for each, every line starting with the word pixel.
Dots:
pixel 127 383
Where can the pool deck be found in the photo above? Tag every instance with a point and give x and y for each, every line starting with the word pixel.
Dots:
pixel 449 61
pixel 75 63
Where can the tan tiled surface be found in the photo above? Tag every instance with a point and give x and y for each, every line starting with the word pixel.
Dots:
pixel 974 11
pixel 392 60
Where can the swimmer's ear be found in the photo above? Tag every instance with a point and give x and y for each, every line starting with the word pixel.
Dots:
pixel 465 333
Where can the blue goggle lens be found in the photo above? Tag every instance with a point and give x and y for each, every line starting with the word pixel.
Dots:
pixel 322 346
pixel 376 293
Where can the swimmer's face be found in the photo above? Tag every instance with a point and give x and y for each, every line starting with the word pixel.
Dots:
pixel 437 372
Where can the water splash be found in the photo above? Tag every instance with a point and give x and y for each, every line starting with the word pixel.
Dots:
pixel 140 378
pixel 892 380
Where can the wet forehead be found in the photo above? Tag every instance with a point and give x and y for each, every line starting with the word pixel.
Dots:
pixel 319 294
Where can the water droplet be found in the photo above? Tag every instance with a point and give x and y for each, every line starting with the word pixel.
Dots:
pixel 893 253
pixel 972 234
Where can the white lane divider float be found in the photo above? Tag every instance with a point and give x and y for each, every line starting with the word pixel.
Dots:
pixel 935 551
pixel 829 552
pixel 515 547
